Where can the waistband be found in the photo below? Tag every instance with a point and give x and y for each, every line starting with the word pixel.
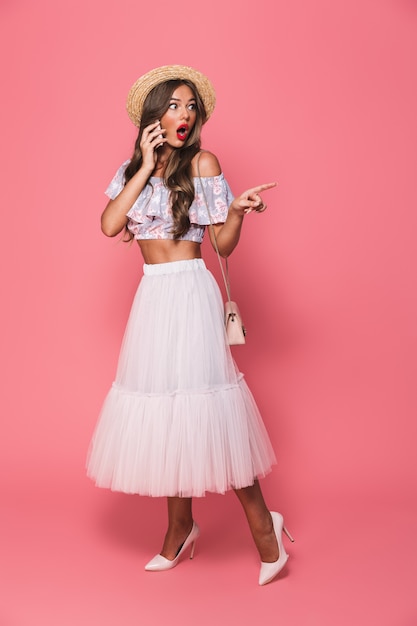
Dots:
pixel 173 267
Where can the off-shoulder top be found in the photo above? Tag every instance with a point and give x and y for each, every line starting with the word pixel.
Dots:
pixel 150 217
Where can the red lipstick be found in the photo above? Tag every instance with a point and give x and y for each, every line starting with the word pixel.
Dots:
pixel 182 132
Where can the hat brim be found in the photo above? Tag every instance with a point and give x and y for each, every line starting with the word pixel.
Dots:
pixel 144 85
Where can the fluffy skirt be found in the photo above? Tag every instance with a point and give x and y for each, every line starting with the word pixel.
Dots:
pixel 179 419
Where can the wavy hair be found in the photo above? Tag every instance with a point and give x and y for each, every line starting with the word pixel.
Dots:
pixel 178 175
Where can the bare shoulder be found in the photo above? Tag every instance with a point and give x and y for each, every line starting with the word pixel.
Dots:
pixel 208 163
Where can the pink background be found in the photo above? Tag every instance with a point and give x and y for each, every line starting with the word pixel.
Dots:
pixel 320 96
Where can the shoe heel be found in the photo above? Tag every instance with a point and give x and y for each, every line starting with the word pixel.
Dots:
pixel 288 534
pixel 192 550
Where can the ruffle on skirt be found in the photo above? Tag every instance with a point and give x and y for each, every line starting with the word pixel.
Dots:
pixel 179 419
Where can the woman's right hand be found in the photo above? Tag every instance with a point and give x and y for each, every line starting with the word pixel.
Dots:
pixel 114 219
pixel 152 138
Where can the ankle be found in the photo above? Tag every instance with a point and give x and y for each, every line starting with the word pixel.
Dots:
pixel 262 525
pixel 180 525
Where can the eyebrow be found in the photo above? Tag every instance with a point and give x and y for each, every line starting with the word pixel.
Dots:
pixel 179 99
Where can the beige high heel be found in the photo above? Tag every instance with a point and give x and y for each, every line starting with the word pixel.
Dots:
pixel 159 563
pixel 270 570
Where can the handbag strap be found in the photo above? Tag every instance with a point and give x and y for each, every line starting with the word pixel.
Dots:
pixel 225 275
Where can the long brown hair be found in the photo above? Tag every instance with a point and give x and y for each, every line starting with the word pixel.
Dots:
pixel 178 175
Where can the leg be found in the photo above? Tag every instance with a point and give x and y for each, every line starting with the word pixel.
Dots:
pixel 260 521
pixel 180 523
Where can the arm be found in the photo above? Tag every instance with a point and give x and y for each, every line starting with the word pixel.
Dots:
pixel 113 218
pixel 228 234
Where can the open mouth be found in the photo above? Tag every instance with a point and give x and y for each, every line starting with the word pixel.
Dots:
pixel 182 132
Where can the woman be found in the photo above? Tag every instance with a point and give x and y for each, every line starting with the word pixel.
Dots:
pixel 179 419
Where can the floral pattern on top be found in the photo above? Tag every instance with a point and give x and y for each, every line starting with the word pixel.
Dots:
pixel 150 217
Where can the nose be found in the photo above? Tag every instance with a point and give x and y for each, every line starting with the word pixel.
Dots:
pixel 185 113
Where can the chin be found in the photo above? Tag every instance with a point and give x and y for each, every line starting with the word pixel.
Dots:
pixel 173 143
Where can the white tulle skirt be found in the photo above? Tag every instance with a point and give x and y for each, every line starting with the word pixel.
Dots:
pixel 179 419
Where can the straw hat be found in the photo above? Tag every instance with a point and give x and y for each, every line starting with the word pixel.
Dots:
pixel 144 85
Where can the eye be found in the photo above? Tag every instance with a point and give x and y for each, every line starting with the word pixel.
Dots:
pixel 192 106
pixel 173 105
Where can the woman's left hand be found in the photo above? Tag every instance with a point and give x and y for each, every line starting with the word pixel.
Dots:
pixel 250 200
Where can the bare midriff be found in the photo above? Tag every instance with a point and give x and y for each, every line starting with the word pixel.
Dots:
pixel 168 250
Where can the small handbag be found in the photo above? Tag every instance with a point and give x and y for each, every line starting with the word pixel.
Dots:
pixel 235 329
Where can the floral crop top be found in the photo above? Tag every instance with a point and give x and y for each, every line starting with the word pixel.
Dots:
pixel 151 217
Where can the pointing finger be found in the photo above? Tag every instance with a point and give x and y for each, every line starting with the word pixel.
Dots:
pixel 260 188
